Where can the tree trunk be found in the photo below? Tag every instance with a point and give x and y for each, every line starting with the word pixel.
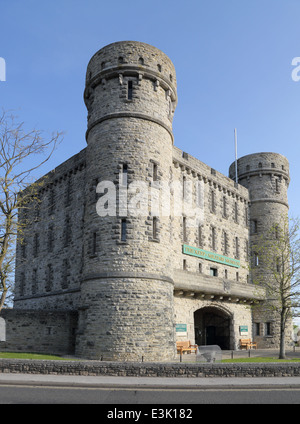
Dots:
pixel 2 298
pixel 282 337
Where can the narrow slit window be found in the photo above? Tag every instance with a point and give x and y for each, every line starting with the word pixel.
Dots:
pixel 213 238
pixel 199 235
pixel 237 251
pixel 129 92
pixel 154 227
pixel 154 172
pixel 184 232
pixel 123 229
pixel 124 174
pixel 235 212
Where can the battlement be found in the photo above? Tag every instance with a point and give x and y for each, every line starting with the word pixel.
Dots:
pixel 130 80
pixel 261 163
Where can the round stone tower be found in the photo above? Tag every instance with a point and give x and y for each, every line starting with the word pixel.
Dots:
pixel 266 175
pixel 127 289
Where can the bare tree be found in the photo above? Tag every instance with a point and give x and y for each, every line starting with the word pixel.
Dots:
pixel 21 154
pixel 278 270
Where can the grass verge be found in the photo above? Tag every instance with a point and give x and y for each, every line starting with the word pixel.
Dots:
pixel 19 355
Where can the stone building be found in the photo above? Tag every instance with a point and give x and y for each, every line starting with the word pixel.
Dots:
pixel 136 244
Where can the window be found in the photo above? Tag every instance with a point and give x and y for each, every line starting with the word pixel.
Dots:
pixel 224 207
pixel 268 329
pixel 154 227
pixel 23 249
pixel 237 276
pixel 213 272
pixel 124 174
pixel 49 331
pixel 253 226
pixel 65 274
pixel 129 90
pixel 183 187
pixel 49 278
pixel 246 216
pixel 68 234
pixel 123 229
pixel 246 250
pixel 22 284
pixel 213 201
pixel 237 250
pixel 94 243
pixel 257 328
pixel 199 198
pixel 35 245
pixel 200 235
pixel 184 232
pixel 226 274
pixel 200 268
pixel 50 239
pixel 235 212
pixel 256 259
pixel 154 171
pixel 213 238
pixel 184 265
pixel 225 241
pixel 278 268
pixel 34 281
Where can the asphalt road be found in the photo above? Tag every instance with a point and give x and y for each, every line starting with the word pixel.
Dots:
pixel 157 393
pixel 157 397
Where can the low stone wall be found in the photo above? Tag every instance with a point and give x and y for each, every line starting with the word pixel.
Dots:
pixel 150 369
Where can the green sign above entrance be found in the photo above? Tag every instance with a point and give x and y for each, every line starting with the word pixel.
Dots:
pixel 210 256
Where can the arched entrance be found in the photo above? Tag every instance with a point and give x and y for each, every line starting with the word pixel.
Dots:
pixel 212 327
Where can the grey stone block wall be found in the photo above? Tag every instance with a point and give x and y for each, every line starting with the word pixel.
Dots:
pixel 50 257
pixel 266 176
pixel 130 285
pixel 39 331
pixel 159 369
pixel 129 313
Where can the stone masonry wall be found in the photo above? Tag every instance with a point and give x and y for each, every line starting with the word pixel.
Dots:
pixel 39 331
pixel 160 369
pixel 50 257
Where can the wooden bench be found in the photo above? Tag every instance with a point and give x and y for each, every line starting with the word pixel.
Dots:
pixel 186 347
pixel 247 344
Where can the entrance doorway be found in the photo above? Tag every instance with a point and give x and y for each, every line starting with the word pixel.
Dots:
pixel 212 327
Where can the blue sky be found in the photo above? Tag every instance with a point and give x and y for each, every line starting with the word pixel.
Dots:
pixel 232 58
